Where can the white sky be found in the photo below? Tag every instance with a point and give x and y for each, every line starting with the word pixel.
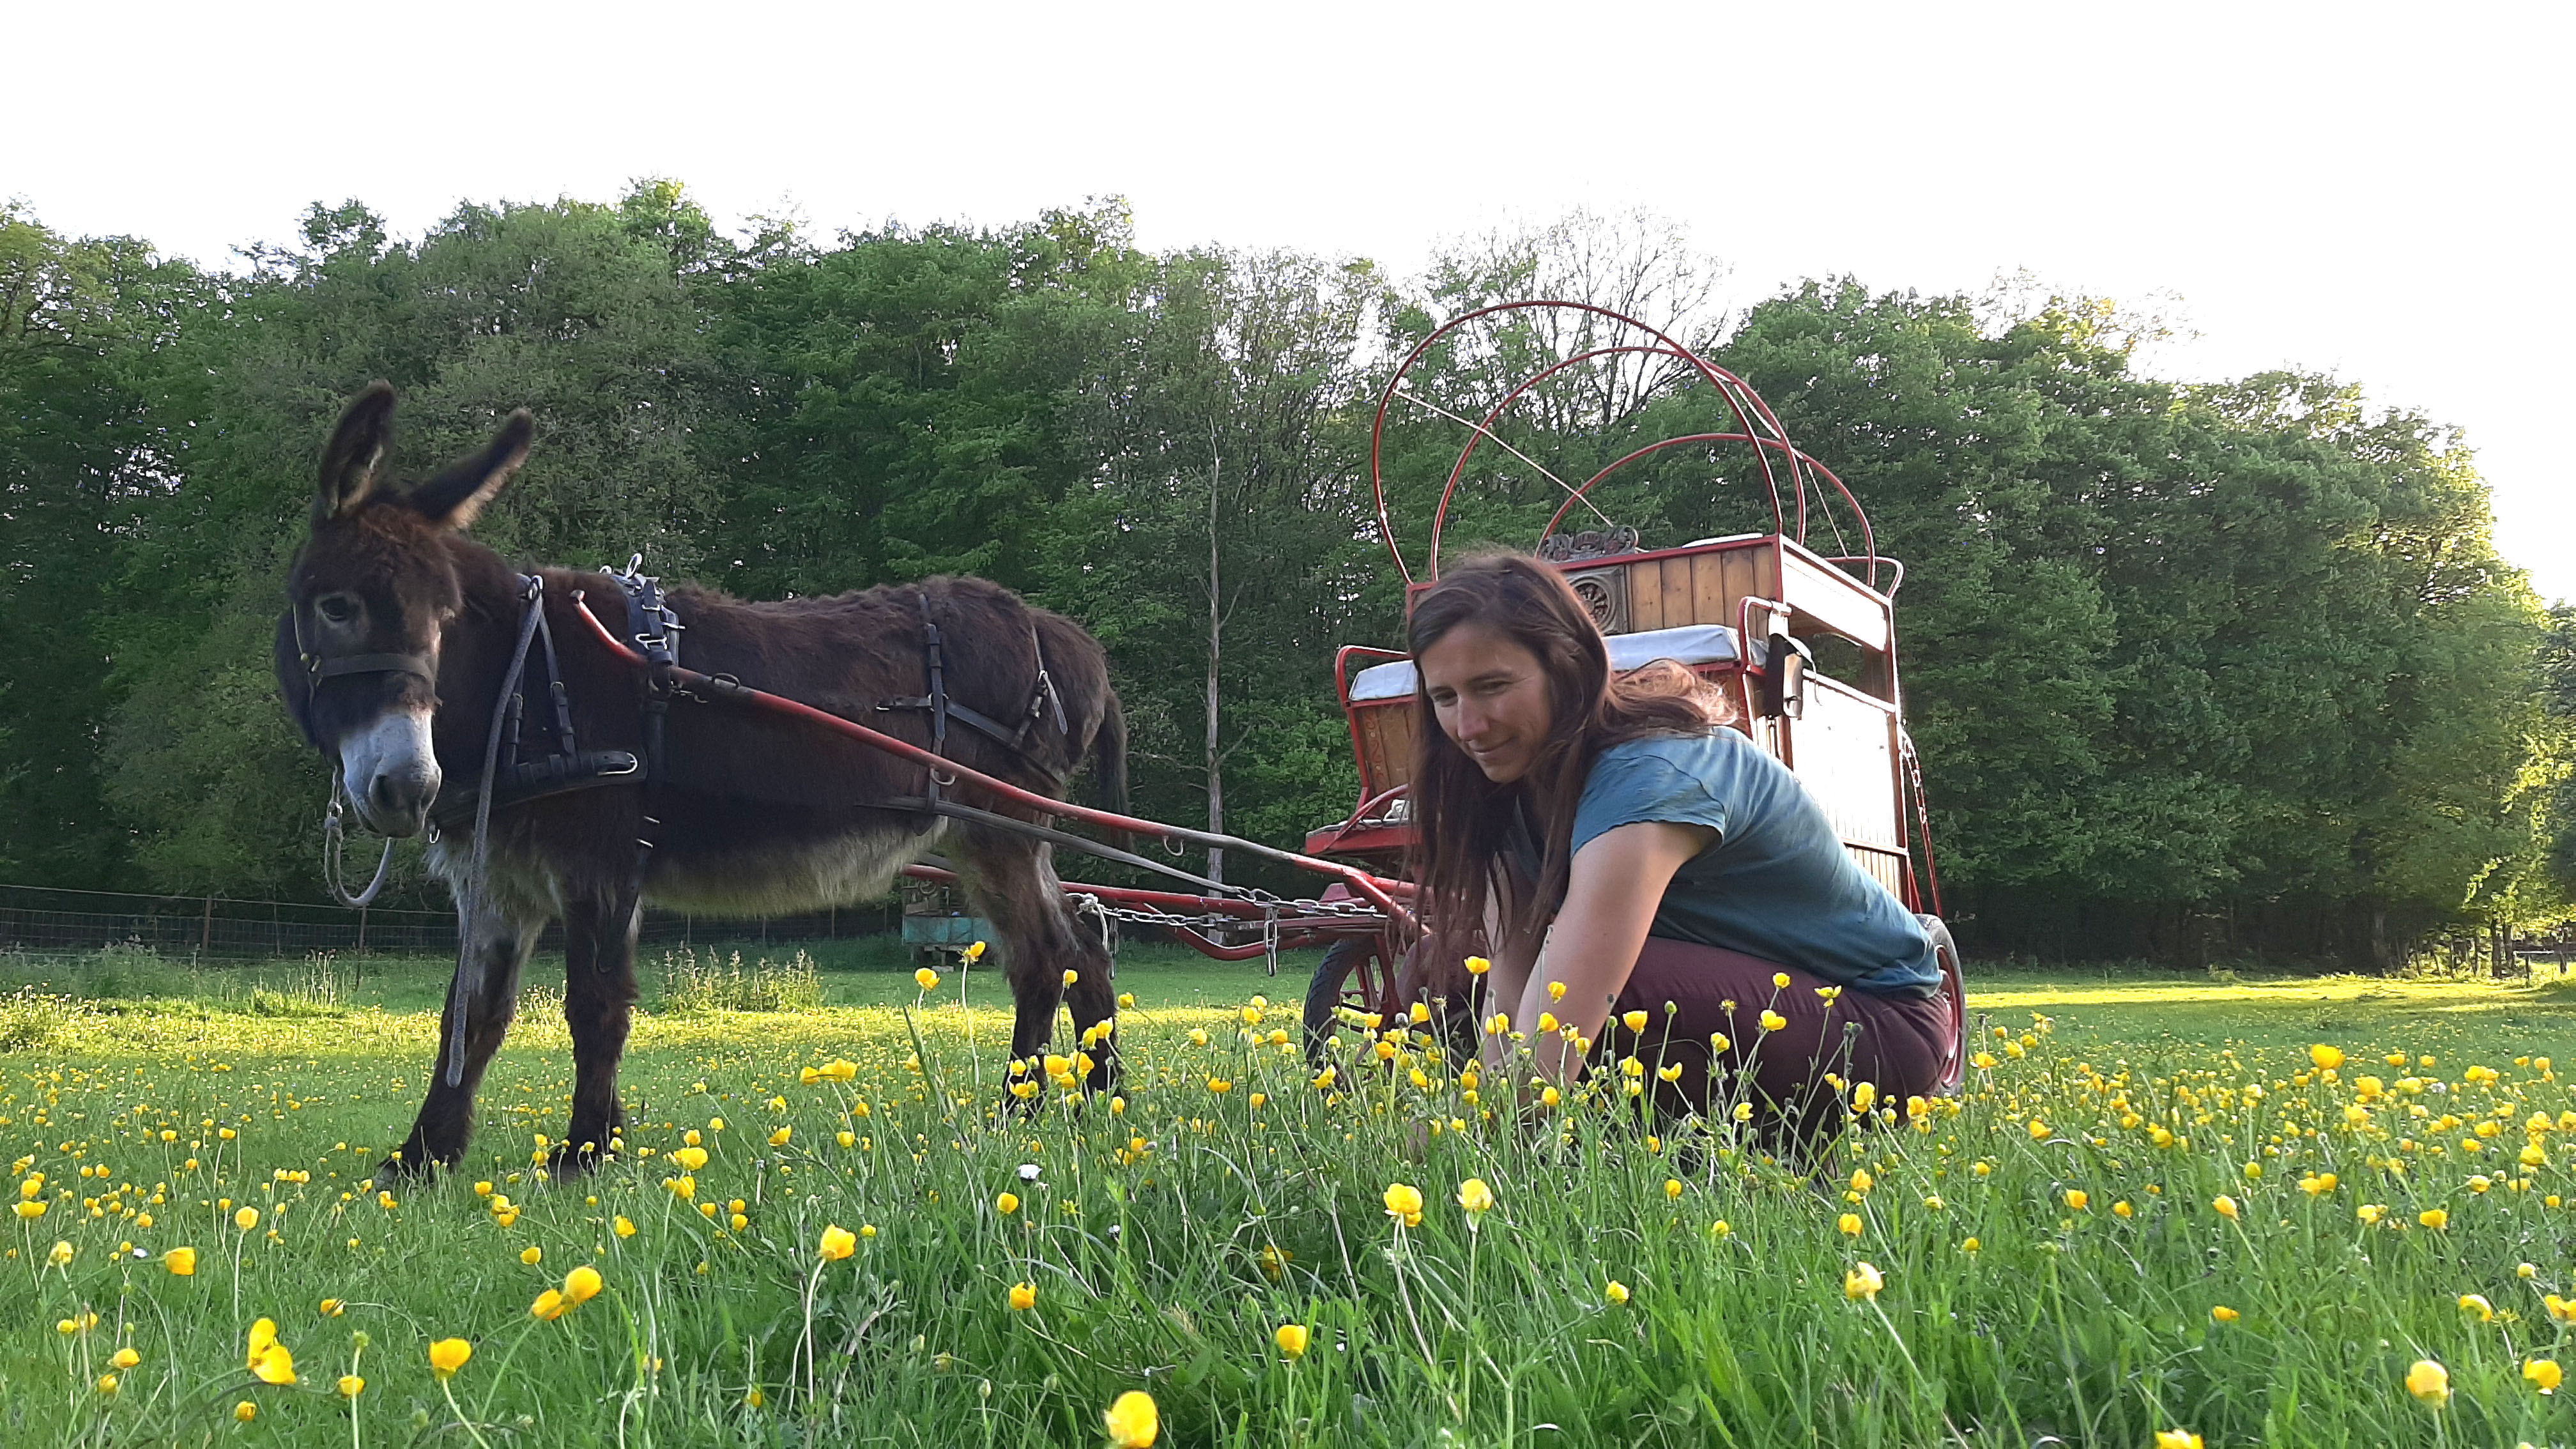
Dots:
pixel 2376 191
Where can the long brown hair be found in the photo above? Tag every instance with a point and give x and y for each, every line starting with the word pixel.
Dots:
pixel 1461 817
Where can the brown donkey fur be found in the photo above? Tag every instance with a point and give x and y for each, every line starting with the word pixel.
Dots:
pixel 758 813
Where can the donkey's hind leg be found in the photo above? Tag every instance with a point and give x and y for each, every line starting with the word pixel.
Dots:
pixel 599 1006
pixel 1011 881
pixel 500 935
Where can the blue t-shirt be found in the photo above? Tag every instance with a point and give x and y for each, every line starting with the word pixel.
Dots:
pixel 1777 883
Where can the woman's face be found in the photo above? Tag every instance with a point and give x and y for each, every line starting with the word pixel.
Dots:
pixel 1491 698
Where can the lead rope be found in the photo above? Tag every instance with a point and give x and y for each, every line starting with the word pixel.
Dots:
pixel 1099 912
pixel 469 964
pixel 334 839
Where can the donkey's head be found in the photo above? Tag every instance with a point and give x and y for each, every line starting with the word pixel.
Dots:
pixel 369 599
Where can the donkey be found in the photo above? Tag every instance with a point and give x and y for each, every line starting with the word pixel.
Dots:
pixel 391 658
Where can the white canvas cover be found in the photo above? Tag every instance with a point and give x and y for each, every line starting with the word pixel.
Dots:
pixel 1690 644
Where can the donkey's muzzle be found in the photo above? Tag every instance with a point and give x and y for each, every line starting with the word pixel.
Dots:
pixel 392 773
pixel 397 801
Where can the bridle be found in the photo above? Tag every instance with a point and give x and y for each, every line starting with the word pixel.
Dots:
pixel 317 668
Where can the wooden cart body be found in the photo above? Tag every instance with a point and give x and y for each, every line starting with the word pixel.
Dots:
pixel 1714 606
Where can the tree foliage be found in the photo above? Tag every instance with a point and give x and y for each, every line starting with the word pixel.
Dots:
pixel 2187 664
pixel 88 333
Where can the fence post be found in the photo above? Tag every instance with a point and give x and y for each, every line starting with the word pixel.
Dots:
pixel 362 930
pixel 206 929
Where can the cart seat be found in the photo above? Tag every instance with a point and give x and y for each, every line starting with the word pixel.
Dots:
pixel 1690 644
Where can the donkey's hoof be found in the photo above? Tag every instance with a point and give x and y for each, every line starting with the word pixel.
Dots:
pixel 412 1164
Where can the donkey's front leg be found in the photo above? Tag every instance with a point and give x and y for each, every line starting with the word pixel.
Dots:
pixel 599 1005
pixel 500 941
pixel 1047 957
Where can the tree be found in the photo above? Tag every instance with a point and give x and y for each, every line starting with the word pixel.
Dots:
pixel 2193 668
pixel 1225 509
pixel 2536 889
pixel 87 331
pixel 2239 655
pixel 900 405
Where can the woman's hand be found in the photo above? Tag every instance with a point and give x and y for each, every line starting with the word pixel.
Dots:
pixel 1613 887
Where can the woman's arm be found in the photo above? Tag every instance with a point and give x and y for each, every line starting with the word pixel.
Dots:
pixel 1613 886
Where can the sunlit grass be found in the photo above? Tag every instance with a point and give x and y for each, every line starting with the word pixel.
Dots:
pixel 2155 1212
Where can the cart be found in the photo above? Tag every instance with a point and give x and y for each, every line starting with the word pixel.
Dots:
pixel 1745 612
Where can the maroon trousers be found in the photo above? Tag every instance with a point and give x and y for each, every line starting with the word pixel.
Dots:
pixel 1902 1045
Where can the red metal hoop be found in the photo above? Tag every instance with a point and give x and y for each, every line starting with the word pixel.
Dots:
pixel 1757 427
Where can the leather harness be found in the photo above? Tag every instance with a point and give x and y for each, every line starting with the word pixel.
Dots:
pixel 521 775
pixel 942 708
pixel 656 629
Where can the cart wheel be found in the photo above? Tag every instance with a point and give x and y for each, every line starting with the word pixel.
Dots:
pixel 1355 973
pixel 1365 974
pixel 1324 993
pixel 1945 949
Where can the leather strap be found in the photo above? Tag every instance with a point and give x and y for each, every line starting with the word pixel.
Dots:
pixel 319 667
pixel 942 708
pixel 335 665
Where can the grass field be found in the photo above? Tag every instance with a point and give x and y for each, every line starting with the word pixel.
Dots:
pixel 2154 1213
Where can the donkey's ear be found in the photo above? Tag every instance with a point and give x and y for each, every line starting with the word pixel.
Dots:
pixel 457 495
pixel 351 459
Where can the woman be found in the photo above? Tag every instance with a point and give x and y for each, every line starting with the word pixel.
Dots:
pixel 1664 862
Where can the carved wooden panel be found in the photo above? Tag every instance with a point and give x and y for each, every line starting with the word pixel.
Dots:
pixel 1605 593
pixel 1589 543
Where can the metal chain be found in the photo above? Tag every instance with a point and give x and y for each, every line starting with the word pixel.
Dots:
pixel 1151 916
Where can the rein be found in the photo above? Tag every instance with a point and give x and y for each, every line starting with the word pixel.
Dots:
pixel 469 963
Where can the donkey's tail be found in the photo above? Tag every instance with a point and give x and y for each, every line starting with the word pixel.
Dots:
pixel 1109 756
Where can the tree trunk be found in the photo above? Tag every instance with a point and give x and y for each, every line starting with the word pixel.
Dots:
pixel 1215 653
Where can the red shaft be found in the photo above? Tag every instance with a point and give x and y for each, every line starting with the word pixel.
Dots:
pixel 1381 892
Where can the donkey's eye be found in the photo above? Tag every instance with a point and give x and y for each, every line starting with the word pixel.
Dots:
pixel 337 608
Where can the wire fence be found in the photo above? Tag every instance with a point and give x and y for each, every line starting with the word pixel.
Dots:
pixel 46 921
